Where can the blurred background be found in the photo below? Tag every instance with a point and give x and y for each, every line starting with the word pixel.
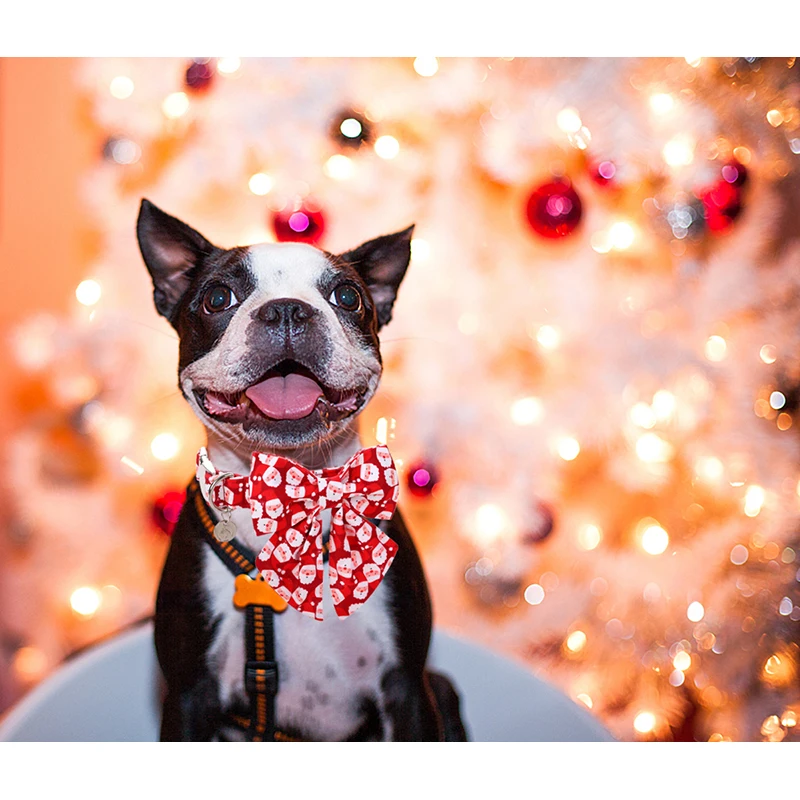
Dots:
pixel 592 376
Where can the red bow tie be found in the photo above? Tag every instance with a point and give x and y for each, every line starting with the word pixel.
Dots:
pixel 286 499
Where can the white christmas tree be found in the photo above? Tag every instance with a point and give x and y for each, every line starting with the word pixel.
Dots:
pixel 591 377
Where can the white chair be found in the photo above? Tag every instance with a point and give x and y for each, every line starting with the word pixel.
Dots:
pixel 111 692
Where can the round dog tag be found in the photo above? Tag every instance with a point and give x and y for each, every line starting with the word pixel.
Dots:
pixel 224 531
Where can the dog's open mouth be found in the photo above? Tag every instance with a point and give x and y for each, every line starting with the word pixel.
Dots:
pixel 288 391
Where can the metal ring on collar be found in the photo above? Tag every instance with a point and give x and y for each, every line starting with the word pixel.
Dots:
pixel 213 485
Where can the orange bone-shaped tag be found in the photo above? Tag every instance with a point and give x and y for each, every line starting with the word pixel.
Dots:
pixel 256 592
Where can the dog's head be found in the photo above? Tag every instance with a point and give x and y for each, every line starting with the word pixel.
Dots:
pixel 278 342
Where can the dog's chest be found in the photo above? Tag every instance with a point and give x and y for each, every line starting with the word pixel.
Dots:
pixel 327 669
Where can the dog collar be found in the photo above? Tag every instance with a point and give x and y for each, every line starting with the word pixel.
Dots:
pixel 286 500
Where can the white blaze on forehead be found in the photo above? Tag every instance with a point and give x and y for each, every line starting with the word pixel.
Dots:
pixel 288 270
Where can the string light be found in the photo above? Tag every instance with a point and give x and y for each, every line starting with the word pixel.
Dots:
pixel 426 66
pixel 121 87
pixel 693 61
pixel 568 448
pixel 534 594
pixel 382 430
pixel 589 536
pixel 682 661
pixel 652 449
pixel 679 151
pixel 768 353
pixel 527 411
pixel 709 467
pixel 753 500
pixel 621 236
pixel 664 404
pixel 228 66
pixel 654 538
pixel 387 147
pixel 695 612
pixel 575 642
pixel 261 183
pixel 662 103
pixel 175 105
pixel 739 555
pixel 716 348
pixel 88 292
pixel 775 117
pixel 777 400
pixel 585 699
pixel 165 446
pixel 568 120
pixel 339 167
pixel 491 522
pixel 644 722
pixel 85 601
pixel 548 337
pixel 642 415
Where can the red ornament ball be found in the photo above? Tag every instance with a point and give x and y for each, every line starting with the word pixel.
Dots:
pixel 554 209
pixel 199 74
pixel 166 509
pixel 540 524
pixel 421 478
pixel 301 222
pixel 722 204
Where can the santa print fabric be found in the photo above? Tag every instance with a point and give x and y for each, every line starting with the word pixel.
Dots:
pixel 286 499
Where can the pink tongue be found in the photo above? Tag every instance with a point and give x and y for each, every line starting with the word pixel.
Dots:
pixel 291 397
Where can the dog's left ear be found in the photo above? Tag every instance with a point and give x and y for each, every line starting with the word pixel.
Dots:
pixel 382 263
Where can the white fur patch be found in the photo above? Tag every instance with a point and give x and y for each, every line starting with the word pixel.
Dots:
pixel 325 668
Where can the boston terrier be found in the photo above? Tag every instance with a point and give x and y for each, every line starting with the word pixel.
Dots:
pixel 279 353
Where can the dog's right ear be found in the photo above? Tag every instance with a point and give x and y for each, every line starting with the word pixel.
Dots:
pixel 171 250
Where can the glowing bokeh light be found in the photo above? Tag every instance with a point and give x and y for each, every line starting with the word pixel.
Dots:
pixel 85 601
pixel 88 292
pixel 175 105
pixel 655 539
pixel 716 348
pixel 644 722
pixel 339 167
pixel 589 536
pixel 229 65
pixel 534 594
pixel 121 87
pixel 261 183
pixel 753 500
pixel 165 446
pixel 662 103
pixel 679 151
pixel 548 337
pixel 527 411
pixel 387 147
pixel 568 120
pixel 695 612
pixel 426 66
pixel 568 448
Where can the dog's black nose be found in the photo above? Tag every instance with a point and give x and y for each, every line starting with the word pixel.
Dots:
pixel 289 313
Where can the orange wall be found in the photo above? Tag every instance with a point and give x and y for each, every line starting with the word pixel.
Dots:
pixel 44 148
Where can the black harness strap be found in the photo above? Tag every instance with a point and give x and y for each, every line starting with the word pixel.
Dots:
pixel 260 668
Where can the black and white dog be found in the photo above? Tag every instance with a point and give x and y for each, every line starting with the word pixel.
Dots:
pixel 244 316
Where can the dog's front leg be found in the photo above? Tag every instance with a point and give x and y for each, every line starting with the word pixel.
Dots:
pixel 191 714
pixel 409 709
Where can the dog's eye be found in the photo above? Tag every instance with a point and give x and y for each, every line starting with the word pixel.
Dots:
pixel 218 298
pixel 346 296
